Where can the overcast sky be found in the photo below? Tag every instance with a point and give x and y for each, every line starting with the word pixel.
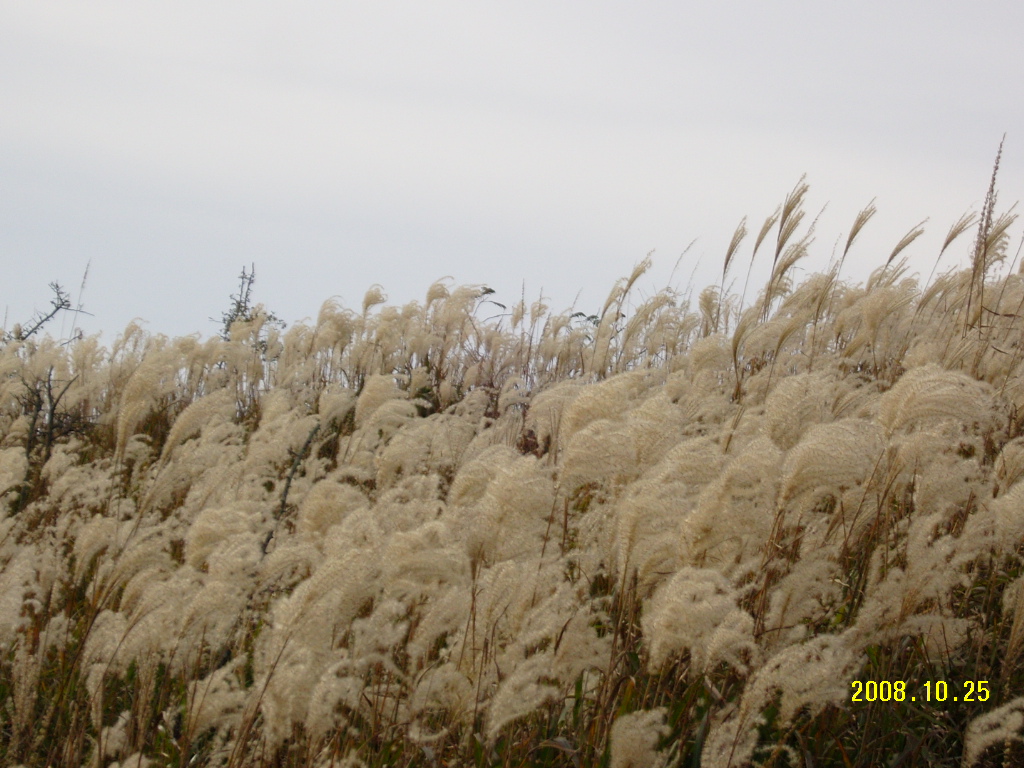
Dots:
pixel 539 144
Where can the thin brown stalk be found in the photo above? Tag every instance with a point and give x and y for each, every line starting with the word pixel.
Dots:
pixel 979 260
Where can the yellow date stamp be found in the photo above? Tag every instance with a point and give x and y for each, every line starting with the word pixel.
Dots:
pixel 939 690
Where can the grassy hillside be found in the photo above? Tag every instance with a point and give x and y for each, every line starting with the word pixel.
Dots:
pixel 784 530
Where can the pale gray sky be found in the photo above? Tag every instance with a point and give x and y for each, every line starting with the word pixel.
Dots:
pixel 337 145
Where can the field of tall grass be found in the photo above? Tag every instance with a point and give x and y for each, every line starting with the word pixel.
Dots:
pixel 785 530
